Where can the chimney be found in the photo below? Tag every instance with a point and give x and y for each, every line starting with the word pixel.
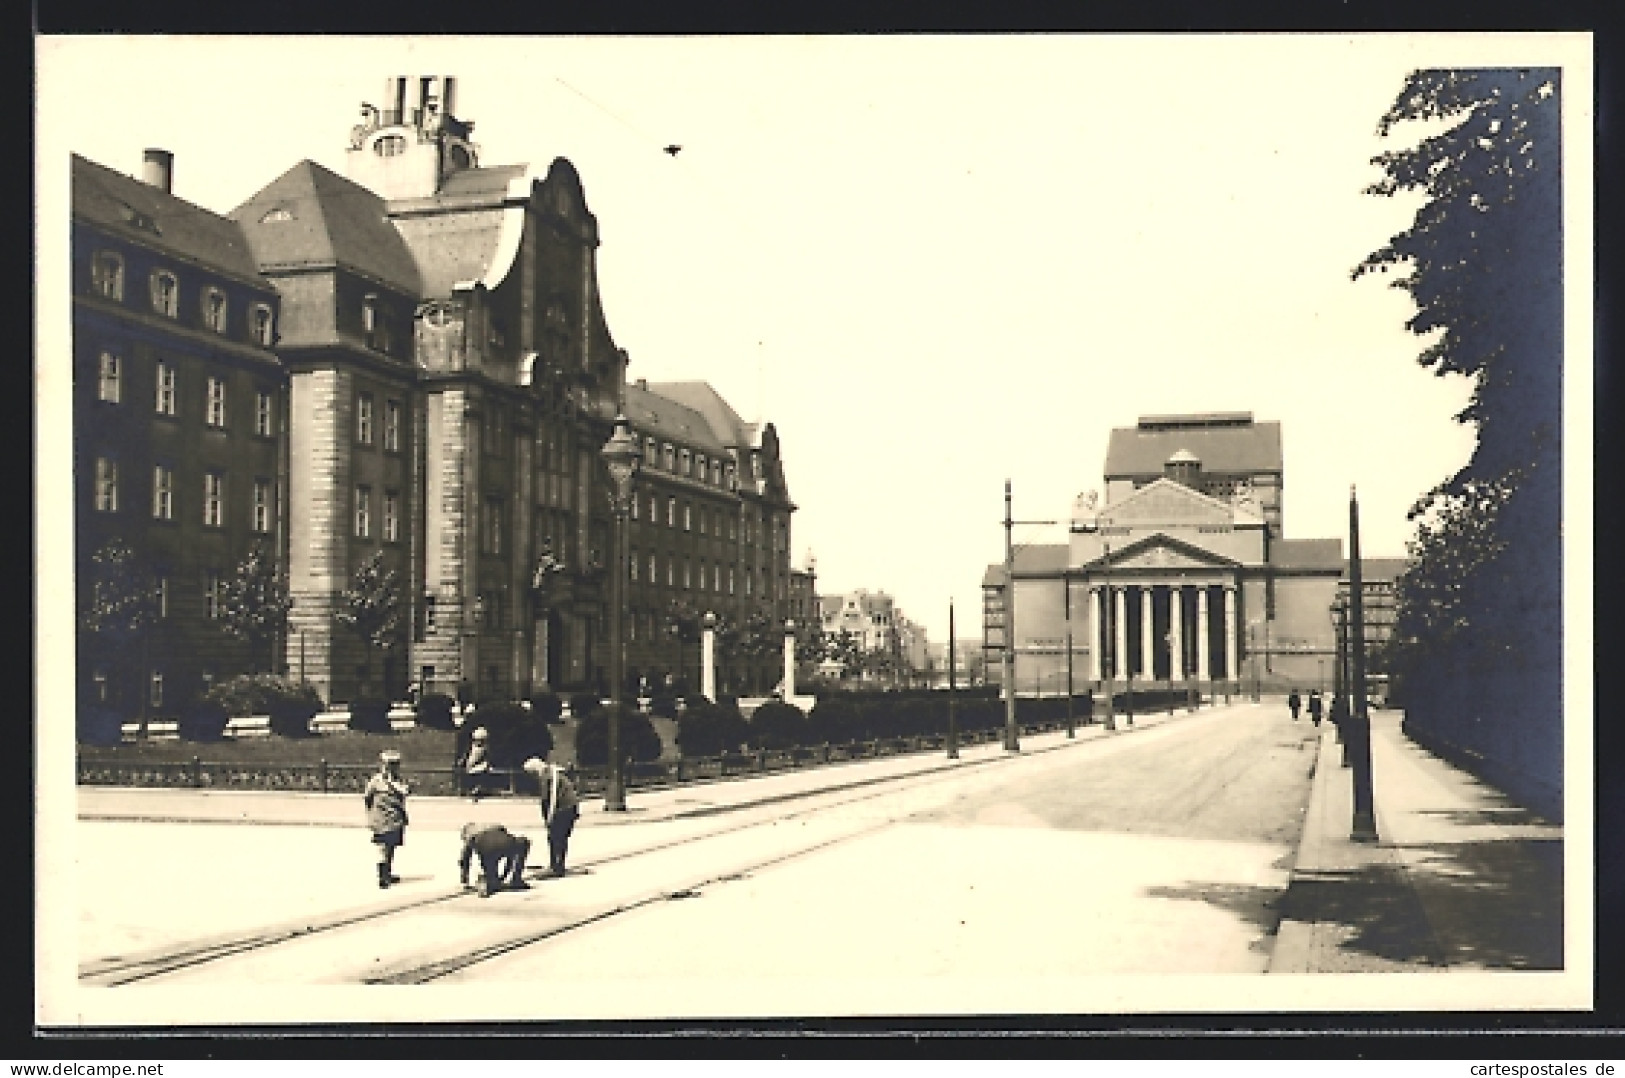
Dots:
pixel 158 169
pixel 643 383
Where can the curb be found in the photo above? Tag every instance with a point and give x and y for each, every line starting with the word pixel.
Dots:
pixel 1294 939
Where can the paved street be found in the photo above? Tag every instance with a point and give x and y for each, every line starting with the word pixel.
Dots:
pixel 1074 876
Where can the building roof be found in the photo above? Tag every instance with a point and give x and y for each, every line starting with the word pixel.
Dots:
pixel 1379 569
pixel 458 245
pixel 310 218
pixel 1225 443
pixel 1306 554
pixel 655 413
pixel 124 205
pixel 726 426
pixel 1036 559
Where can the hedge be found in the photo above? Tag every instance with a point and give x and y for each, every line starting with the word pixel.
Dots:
pixel 639 739
pixel 290 703
pixel 514 734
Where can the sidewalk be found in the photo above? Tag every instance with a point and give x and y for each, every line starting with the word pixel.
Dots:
pixel 1459 878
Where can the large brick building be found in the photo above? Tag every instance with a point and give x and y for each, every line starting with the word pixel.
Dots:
pixel 179 407
pixel 442 383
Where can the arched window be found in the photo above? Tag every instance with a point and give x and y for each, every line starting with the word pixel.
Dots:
pixel 214 309
pixel 165 293
pixel 107 275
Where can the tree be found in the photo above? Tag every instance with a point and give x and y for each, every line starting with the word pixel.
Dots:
pixel 124 604
pixel 254 605
pixel 1479 619
pixel 371 605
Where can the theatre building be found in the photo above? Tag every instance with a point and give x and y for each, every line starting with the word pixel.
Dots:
pixel 1182 577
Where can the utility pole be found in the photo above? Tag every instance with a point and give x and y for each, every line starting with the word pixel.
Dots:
pixel 953 718
pixel 1012 742
pixel 1365 818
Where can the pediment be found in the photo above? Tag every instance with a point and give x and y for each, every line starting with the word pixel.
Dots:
pixel 1164 552
pixel 1165 502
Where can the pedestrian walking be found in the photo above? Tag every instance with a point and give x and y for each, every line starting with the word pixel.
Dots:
pixel 1314 707
pixel 477 776
pixel 385 800
pixel 560 807
pixel 502 858
pixel 1294 702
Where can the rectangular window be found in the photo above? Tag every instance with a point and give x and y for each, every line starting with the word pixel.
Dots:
pixel 363 419
pixel 163 493
pixel 392 426
pixel 161 591
pixel 363 512
pixel 165 294
pixel 106 485
pixel 264 414
pixel 262 325
pixel 214 496
pixel 262 505
pixel 730 580
pixel 107 275
pixel 165 402
pixel 493 526
pixel 671 572
pixel 632 566
pixel 211 593
pixel 669 456
pixel 688 517
pixel 688 581
pixel 107 379
pixel 215 396
pixel 653 576
pixel 392 516
pixel 155 696
pixel 214 309
pixel 636 503
pixel 688 462
pixel 671 512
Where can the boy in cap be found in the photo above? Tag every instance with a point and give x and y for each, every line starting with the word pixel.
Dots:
pixel 477 768
pixel 502 857
pixel 385 800
pixel 560 807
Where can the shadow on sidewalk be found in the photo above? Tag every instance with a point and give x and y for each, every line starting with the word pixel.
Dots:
pixel 1496 904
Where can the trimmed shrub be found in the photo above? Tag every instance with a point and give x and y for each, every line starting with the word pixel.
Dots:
pixel 709 729
pixel 546 705
pixel 291 704
pixel 434 712
pixel 203 721
pixel 96 725
pixel 369 715
pixel 837 719
pixel 513 734
pixel 777 725
pixel 639 740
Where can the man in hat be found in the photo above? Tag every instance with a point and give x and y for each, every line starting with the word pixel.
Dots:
pixel 385 800
pixel 502 857
pixel 477 777
pixel 560 807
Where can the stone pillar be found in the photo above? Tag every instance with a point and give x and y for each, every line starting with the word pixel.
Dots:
pixel 1176 635
pixel 789 659
pixel 1148 651
pixel 1120 624
pixel 1098 622
pixel 1204 634
pixel 1230 632
pixel 708 666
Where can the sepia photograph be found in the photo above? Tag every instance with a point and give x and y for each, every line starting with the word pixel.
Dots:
pixel 695 529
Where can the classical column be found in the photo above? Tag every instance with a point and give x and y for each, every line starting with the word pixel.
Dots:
pixel 1204 634
pixel 1120 624
pixel 1147 638
pixel 1230 632
pixel 1176 635
pixel 1097 622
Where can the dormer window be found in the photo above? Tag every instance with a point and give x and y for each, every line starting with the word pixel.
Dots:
pixel 668 456
pixel 375 323
pixel 107 275
pixel 276 215
pixel 214 309
pixel 688 463
pixel 165 293
pixel 262 325
pixel 389 145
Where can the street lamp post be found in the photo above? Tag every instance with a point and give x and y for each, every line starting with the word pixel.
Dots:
pixel 1108 643
pixel 621 456
pixel 1365 820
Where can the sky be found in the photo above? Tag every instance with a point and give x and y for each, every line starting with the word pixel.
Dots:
pixel 933 263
